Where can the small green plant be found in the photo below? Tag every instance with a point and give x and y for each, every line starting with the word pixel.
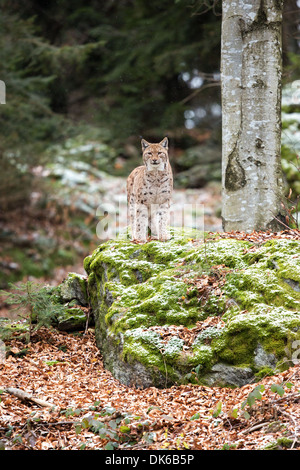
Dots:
pixel 217 410
pixel 32 303
pixel 71 412
pixel 277 389
pixel 118 430
pixel 256 396
pixel 195 416
pixel 280 443
pixel 228 446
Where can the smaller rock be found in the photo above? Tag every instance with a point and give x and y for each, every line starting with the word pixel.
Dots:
pixel 263 359
pixel 223 375
pixel 74 287
pixel 73 319
pixel 293 284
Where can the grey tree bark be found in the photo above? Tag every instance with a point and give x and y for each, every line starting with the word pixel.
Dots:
pixel 252 182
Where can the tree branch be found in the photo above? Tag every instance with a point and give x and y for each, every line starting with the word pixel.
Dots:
pixel 25 396
pixel 195 93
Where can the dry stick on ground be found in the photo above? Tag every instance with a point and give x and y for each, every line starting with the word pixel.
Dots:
pixel 25 396
pixel 290 418
pixel 254 428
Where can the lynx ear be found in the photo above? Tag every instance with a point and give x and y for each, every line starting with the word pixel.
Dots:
pixel 145 144
pixel 164 143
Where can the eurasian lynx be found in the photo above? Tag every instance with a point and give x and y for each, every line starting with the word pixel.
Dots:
pixel 149 191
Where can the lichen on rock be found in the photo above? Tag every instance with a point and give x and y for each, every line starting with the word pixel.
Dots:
pixel 74 287
pixel 72 293
pixel 194 310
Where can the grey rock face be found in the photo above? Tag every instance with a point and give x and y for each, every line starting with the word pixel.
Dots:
pixel 263 359
pixel 224 375
pixel 74 287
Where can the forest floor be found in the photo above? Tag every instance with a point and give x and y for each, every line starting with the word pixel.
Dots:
pixel 84 407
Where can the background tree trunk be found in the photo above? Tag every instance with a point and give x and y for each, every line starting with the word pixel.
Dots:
pixel 251 102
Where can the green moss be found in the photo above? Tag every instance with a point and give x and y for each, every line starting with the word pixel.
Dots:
pixel 264 372
pixel 202 357
pixel 267 326
pixel 86 263
pixel 167 254
pixel 217 252
pixel 208 335
pixel 72 319
pixel 266 278
pixel 280 443
pixel 258 285
pixel 173 348
pixel 9 328
pixel 146 337
pixel 136 287
pixel 118 260
pixel 147 348
pixel 74 286
pixel 285 442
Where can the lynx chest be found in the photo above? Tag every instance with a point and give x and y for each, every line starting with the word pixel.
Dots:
pixel 156 188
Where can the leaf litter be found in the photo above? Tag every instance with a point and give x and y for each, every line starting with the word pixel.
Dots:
pixel 85 407
pixel 56 394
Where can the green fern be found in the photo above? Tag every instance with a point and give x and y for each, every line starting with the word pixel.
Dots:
pixel 32 302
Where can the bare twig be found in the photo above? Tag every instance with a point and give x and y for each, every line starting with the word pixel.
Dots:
pixel 291 418
pixel 254 428
pixel 25 396
pixel 195 93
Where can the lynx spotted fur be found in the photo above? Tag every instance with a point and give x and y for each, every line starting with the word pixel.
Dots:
pixel 149 192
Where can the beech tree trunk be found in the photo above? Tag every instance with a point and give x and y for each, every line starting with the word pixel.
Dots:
pixel 252 182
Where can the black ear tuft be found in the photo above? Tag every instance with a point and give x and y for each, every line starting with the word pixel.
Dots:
pixel 164 143
pixel 145 144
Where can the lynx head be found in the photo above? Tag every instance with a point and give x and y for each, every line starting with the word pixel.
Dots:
pixel 155 156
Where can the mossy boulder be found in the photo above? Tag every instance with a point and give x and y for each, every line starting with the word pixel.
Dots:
pixel 217 312
pixel 65 307
pixel 73 288
pixel 72 294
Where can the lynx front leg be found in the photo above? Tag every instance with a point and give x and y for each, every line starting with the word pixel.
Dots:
pixel 132 217
pixel 141 222
pixel 154 221
pixel 163 216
